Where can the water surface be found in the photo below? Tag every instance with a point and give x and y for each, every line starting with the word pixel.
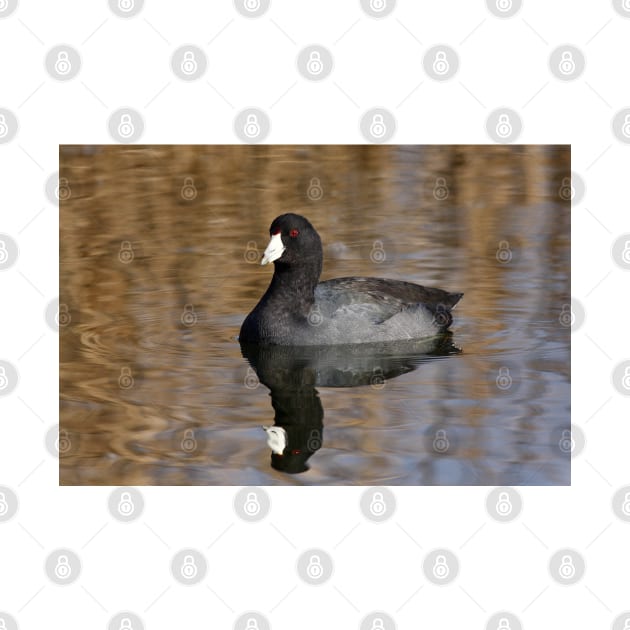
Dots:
pixel 160 252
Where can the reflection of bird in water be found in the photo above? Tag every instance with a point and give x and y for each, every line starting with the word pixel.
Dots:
pixel 276 439
pixel 292 374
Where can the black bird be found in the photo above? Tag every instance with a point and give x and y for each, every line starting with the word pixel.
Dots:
pixel 298 310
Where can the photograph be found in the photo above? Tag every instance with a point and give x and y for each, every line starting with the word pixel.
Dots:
pixel 257 315
pixel 314 315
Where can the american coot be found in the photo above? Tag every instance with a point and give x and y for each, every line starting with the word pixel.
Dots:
pixel 298 310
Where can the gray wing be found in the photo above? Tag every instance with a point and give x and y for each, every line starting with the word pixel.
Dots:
pixel 378 299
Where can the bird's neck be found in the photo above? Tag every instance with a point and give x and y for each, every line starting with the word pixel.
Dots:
pixel 293 283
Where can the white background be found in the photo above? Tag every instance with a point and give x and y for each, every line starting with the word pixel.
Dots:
pixel 378 63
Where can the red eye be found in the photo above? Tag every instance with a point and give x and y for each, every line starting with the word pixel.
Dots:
pixel 293 233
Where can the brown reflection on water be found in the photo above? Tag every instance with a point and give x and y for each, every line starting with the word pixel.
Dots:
pixel 158 247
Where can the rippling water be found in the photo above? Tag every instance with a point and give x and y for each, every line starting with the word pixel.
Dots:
pixel 160 251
